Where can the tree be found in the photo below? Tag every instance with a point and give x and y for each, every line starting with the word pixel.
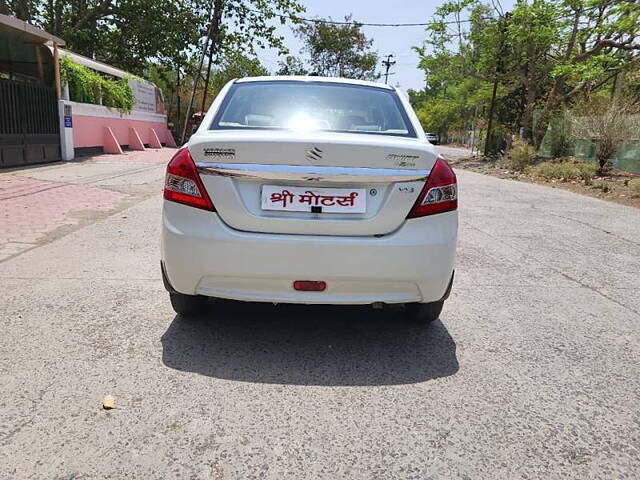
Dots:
pixel 235 65
pixel 22 9
pixel 543 56
pixel 177 91
pixel 171 80
pixel 242 24
pixel 487 47
pixel 291 66
pixel 599 40
pixel 531 35
pixel 123 33
pixel 609 123
pixel 132 34
pixel 339 50
pixel 128 33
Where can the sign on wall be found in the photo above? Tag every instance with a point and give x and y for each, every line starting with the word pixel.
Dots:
pixel 68 119
pixel 145 95
pixel 148 98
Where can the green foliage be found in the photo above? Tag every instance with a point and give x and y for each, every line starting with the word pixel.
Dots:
pixel 634 186
pixel 631 85
pixel 230 65
pixel 567 170
pixel 291 66
pixel 609 123
pixel 248 24
pixel 544 54
pixel 168 34
pixel 520 156
pixel 560 136
pixel 339 50
pixel 88 86
pixel 234 65
pixel 128 33
pixel 23 9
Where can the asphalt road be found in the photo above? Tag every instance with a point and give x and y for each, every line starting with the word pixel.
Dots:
pixel 532 371
pixel 451 152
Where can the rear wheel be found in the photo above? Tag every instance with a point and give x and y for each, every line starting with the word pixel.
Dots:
pixel 423 313
pixel 188 305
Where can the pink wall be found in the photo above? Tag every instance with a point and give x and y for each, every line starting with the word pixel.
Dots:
pixel 88 131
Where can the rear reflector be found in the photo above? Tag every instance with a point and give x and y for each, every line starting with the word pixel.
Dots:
pixel 309 286
pixel 183 184
pixel 440 193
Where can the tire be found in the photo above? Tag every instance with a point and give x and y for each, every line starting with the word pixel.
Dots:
pixel 188 305
pixel 423 313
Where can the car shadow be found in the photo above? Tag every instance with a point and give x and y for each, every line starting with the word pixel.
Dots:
pixel 309 345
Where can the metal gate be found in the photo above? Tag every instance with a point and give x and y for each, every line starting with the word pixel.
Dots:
pixel 29 125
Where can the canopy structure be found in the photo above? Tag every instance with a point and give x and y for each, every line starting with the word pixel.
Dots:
pixel 40 123
pixel 25 32
pixel 26 53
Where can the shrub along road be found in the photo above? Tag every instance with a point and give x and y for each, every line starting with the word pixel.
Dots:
pixel 531 372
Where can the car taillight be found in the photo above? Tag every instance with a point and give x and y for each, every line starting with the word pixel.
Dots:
pixel 440 193
pixel 183 184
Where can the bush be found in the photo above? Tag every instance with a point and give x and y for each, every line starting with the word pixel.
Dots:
pixel 89 86
pixel 634 186
pixel 565 171
pixel 560 136
pixel 610 123
pixel 520 156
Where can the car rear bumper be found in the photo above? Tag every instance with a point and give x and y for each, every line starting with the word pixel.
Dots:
pixel 202 255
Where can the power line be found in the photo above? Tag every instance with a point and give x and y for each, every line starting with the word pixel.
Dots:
pixel 363 24
pixel 205 46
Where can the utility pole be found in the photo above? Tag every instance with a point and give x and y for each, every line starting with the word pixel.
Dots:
pixel 498 71
pixel 388 63
pixel 198 74
pixel 213 48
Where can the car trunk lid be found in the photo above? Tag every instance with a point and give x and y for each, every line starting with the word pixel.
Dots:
pixel 385 172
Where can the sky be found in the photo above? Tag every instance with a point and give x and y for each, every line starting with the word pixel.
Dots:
pixel 396 40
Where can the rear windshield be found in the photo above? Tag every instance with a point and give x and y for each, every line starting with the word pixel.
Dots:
pixel 311 106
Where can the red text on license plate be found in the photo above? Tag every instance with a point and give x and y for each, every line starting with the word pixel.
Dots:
pixel 302 199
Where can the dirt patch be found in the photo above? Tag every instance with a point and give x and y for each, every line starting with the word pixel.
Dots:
pixel 612 187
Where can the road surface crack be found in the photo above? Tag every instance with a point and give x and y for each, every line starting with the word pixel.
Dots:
pixel 595 228
pixel 555 269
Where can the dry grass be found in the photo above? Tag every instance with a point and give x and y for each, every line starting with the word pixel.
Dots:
pixel 617 186
pixel 519 157
pixel 565 171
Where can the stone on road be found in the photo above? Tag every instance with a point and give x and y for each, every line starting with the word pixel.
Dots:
pixel 532 371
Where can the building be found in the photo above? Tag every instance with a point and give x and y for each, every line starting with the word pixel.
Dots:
pixel 41 121
pixel 29 122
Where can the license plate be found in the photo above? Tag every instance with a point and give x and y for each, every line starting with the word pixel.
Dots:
pixel 311 199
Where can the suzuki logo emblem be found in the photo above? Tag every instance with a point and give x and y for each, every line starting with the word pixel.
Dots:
pixel 314 154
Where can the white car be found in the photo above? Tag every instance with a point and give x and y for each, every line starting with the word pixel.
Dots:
pixel 432 138
pixel 309 190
